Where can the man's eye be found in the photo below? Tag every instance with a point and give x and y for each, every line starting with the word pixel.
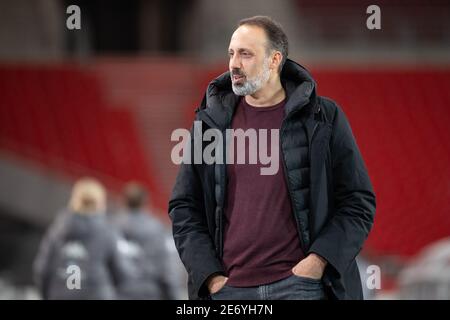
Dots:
pixel 230 54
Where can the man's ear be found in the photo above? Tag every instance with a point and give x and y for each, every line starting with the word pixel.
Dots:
pixel 276 60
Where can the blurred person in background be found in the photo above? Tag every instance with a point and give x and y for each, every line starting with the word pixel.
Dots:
pixel 81 239
pixel 427 275
pixel 149 248
pixel 290 235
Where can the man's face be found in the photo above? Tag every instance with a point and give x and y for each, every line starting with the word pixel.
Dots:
pixel 249 63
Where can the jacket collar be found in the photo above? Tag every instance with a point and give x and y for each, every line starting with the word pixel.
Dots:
pixel 220 101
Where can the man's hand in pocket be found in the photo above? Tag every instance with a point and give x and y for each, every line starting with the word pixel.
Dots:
pixel 215 283
pixel 312 266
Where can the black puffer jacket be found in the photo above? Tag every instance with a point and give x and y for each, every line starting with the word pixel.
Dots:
pixel 341 204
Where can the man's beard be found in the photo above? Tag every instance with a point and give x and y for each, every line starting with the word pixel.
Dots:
pixel 250 86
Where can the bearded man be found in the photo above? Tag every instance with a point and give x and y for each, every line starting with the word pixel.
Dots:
pixel 293 234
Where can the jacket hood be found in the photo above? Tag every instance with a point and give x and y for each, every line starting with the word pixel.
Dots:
pixel 78 226
pixel 219 100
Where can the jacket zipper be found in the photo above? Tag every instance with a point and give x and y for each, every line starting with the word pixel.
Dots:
pixel 286 176
pixel 224 179
pixel 289 185
pixel 310 141
pixel 310 165
pixel 218 220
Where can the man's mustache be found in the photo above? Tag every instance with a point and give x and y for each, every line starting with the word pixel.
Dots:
pixel 237 72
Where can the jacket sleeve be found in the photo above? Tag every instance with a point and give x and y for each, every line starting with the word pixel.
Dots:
pixel 43 264
pixel 343 236
pixel 172 271
pixel 41 268
pixel 190 230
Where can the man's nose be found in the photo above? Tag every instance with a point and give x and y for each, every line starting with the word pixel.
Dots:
pixel 235 62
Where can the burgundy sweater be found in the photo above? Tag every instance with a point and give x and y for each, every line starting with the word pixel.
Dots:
pixel 261 243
